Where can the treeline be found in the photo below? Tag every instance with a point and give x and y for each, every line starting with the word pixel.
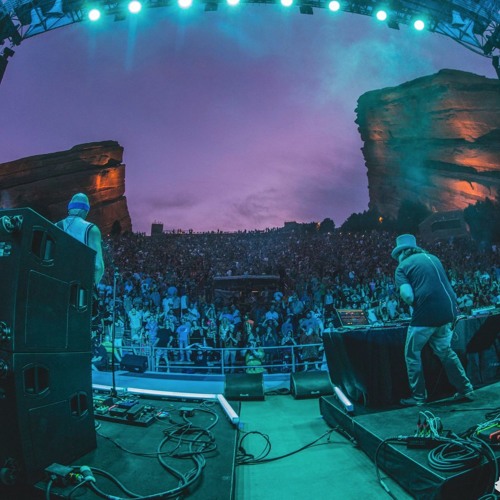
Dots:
pixel 483 219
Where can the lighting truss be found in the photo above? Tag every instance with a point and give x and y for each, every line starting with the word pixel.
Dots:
pixel 472 23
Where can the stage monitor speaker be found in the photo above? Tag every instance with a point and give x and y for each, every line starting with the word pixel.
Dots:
pixel 244 387
pixel 46 414
pixel 46 286
pixel 134 363
pixel 310 384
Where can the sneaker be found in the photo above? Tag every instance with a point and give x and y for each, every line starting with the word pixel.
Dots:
pixel 469 395
pixel 412 402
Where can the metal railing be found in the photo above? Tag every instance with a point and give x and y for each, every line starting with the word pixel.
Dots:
pixel 205 360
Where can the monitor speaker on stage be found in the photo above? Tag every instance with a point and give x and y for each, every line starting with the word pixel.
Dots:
pixel 244 387
pixel 311 384
pixel 134 363
pixel 46 286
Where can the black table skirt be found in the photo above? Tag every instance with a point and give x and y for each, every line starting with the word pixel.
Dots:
pixel 368 363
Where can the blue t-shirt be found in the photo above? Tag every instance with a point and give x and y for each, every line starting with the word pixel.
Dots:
pixel 434 301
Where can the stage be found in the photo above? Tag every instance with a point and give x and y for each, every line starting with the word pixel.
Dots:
pixel 177 448
pixel 370 428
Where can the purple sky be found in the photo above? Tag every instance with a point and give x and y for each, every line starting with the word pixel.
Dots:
pixel 236 119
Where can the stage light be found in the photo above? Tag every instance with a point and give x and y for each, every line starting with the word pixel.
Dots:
pixel 286 3
pixel 233 2
pixel 419 25
pixel 343 399
pixel 94 14
pixel 334 6
pixel 134 7
pixel 228 409
pixel 185 4
pixel 381 15
pixel 170 394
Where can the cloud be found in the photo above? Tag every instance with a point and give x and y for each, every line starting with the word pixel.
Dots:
pixel 257 206
pixel 169 201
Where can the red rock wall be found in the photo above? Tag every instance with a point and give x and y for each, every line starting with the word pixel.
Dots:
pixel 47 182
pixel 435 140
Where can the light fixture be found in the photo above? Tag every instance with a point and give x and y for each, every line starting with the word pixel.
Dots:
pixel 419 25
pixel 392 23
pixel 94 14
pixel 228 409
pixel 233 2
pixel 381 15
pixel 334 6
pixel 185 4
pixel 286 3
pixel 343 399
pixel 134 6
pixel 176 395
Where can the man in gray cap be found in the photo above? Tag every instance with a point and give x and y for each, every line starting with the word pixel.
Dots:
pixel 86 232
pixel 423 284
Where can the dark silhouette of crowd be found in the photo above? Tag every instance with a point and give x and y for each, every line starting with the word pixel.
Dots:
pixel 167 305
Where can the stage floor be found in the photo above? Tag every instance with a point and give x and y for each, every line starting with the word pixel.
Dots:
pixel 409 467
pixel 130 453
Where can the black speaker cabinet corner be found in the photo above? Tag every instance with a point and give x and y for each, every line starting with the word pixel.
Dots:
pixel 134 363
pixel 244 387
pixel 311 384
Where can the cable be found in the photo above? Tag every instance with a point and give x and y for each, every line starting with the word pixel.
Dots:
pixel 199 442
pixel 386 441
pixel 49 486
pixel 245 458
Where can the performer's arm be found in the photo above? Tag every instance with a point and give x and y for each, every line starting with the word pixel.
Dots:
pixel 406 292
pixel 95 244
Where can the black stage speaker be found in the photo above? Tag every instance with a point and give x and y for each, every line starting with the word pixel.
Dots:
pixel 47 279
pixel 46 413
pixel 244 387
pixel 134 363
pixel 46 410
pixel 310 384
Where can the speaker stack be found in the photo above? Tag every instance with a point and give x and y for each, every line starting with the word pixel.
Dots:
pixel 46 413
pixel 311 384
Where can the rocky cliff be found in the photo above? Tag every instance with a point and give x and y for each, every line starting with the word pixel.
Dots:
pixel 434 140
pixel 47 182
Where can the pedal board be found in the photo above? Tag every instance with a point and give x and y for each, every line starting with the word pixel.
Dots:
pixel 130 412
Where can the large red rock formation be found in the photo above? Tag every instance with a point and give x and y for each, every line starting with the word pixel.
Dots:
pixel 47 182
pixel 434 140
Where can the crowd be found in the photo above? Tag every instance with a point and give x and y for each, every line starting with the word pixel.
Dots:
pixel 162 287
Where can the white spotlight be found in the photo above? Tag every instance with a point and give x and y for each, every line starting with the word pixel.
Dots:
pixel 334 6
pixel 419 25
pixel 134 7
pixel 94 14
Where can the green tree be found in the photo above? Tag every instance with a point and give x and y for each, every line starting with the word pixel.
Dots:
pixel 367 221
pixel 410 215
pixel 484 220
pixel 327 226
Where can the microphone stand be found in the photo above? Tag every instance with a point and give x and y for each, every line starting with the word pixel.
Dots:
pixel 113 394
